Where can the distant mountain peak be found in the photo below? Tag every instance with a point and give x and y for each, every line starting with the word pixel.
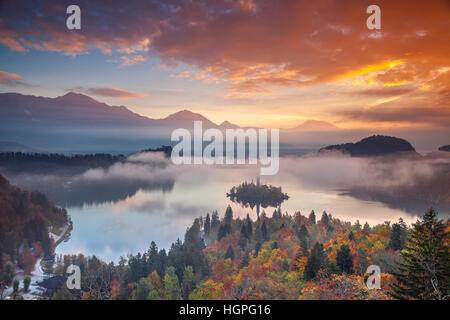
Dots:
pixel 316 125
pixel 185 113
pixel 228 125
pixel 73 97
pixel 73 94
pixel 184 117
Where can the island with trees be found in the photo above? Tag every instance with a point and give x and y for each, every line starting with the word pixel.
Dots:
pixel 256 195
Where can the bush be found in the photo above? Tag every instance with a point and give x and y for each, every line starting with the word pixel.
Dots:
pixel 16 285
pixel 26 283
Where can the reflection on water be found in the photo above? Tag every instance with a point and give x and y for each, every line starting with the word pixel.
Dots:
pixel 112 229
pixel 121 209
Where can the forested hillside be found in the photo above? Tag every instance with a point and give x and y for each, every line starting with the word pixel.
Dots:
pixel 278 257
pixel 45 163
pixel 25 219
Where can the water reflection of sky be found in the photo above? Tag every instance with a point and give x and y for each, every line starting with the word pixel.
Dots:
pixel 112 229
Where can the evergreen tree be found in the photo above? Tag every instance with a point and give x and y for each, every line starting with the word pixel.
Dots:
pixel 228 218
pixel 188 284
pixel 264 233
pixel 315 262
pixel 257 248
pixel 171 284
pixel 312 217
pixel 124 291
pixel 351 237
pixel 404 230
pixel 161 267
pixel 192 251
pixel 357 226
pixel 277 213
pixel 274 245
pixel 325 220
pixel 214 221
pixel 16 284
pixel 222 232
pixel 285 264
pixel 366 228
pixel 361 263
pixel 302 232
pixel 344 260
pixel 424 272
pixel 8 273
pixel 304 246
pixel 395 241
pixel 243 231
pixel 153 257
pixel 245 259
pixel 225 228
pixel 248 224
pixel 207 225
pixel 258 233
pixel 26 283
pixel 230 253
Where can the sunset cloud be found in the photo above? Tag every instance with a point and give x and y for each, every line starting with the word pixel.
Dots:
pixel 391 113
pixel 11 80
pixel 256 49
pixel 382 91
pixel 110 93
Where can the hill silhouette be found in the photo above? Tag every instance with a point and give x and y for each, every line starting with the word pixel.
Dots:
pixel 376 145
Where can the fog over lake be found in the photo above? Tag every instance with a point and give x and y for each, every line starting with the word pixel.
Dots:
pixel 121 209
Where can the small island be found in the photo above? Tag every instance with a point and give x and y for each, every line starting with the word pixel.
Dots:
pixel 257 195
pixel 376 145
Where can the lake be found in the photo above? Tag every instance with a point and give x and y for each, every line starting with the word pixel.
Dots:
pixel 148 199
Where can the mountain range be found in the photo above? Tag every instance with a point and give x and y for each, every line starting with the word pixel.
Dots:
pixel 76 122
pixel 76 108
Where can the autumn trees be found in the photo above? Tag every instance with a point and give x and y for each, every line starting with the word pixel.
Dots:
pixel 25 218
pixel 281 257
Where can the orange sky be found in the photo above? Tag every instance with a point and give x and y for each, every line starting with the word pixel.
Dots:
pixel 263 63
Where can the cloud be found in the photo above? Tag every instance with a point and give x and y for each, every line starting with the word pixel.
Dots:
pixel 382 91
pixel 153 158
pixel 110 92
pixel 313 41
pixel 257 48
pixel 336 170
pixel 11 80
pixel 411 115
pixel 131 60
pixel 146 166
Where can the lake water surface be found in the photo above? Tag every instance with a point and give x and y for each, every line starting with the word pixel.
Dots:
pixel 128 223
